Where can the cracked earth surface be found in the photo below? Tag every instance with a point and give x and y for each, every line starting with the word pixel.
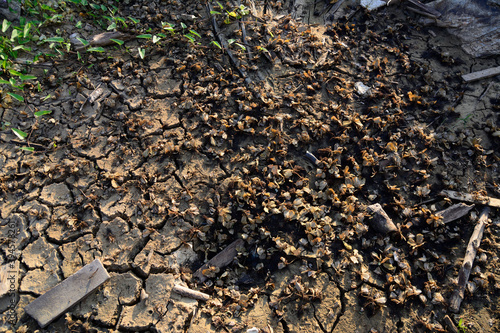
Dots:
pixel 179 156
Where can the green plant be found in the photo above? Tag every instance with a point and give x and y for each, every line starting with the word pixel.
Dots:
pixel 462 327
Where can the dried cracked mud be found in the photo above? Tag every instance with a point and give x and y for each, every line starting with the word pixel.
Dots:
pixel 185 151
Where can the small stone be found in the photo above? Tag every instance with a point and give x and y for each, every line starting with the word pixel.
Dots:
pixel 361 88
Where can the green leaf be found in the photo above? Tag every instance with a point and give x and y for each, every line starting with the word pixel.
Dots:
pixel 195 33
pixel 16 96
pixel 83 41
pixel 54 40
pixel 28 149
pixel 4 82
pixel 117 41
pixel 155 39
pixel 95 6
pixel 96 49
pixel 111 26
pixel 220 6
pixel 191 38
pixel 231 41
pixel 162 35
pixel 20 134
pixel 135 21
pixel 27 29
pixel 14 35
pixel 103 8
pixel 5 25
pixel 241 46
pixel 142 52
pixel 216 44
pixel 79 24
pixel 15 73
pixel 214 12
pixel 45 7
pixel 27 77
pixel 145 36
pixel 42 112
pixel 21 47
pixel 183 25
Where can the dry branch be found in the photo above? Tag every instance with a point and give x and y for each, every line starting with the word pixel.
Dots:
pixel 474 198
pixel 190 293
pixel 470 254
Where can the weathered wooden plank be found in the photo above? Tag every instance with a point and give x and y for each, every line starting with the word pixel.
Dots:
pixel 59 299
pixel 485 73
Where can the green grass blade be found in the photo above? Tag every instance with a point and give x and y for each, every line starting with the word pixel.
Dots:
pixel 117 41
pixel 145 36
pixel 27 77
pixel 55 40
pixel 31 149
pixel 16 96
pixel 195 33
pixel 20 134
pixel 96 49
pixel 42 113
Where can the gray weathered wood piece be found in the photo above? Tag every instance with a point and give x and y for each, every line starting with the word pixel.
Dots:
pixel 67 293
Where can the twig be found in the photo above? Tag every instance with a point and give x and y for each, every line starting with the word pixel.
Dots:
pixel 222 41
pixel 474 198
pixel 470 254
pixel 190 293
pixel 244 34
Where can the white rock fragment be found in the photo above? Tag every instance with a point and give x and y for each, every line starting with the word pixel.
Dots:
pixel 372 4
pixel 362 88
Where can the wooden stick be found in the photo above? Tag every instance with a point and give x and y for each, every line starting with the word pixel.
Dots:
pixel 454 212
pixel 470 254
pixel 481 74
pixel 474 198
pixel 190 293
pixel 222 259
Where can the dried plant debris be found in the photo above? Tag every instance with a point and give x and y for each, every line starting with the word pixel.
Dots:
pixel 299 177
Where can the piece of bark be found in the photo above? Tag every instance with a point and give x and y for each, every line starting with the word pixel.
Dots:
pixel 190 293
pixel 473 198
pixel 454 212
pixel 485 73
pixel 59 299
pixel 380 220
pixel 222 259
pixel 450 324
pixel 470 254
